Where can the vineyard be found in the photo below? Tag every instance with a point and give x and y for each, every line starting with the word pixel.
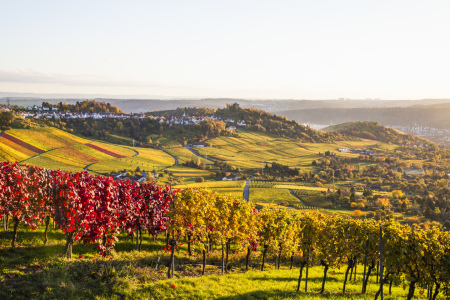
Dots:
pixel 97 210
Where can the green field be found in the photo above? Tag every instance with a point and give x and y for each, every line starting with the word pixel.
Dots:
pixel 265 196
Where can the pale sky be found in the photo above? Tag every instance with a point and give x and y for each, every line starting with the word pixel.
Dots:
pixel 242 49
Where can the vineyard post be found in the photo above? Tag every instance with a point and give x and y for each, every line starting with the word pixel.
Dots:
pixel 381 263
pixel 307 268
pixel 365 265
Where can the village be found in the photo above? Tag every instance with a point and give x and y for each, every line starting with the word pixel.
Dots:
pixel 38 112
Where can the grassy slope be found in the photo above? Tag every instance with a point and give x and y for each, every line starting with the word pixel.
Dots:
pixel 264 196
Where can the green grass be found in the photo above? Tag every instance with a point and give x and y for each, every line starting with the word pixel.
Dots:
pixel 34 271
pixel 272 196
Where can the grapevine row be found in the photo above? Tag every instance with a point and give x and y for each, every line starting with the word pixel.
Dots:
pixel 96 209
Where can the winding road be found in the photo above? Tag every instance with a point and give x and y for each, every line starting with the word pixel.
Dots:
pixel 176 160
pixel 195 153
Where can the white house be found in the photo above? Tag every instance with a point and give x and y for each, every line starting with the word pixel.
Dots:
pixel 200 144
pixel 343 149
pixel 241 123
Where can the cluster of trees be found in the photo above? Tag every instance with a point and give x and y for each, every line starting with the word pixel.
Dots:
pixel 93 209
pixel 6 118
pixel 141 129
pixel 277 169
pixel 195 164
pixel 88 106
pixel 224 166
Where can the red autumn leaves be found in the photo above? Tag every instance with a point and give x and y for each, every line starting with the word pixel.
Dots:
pixel 87 207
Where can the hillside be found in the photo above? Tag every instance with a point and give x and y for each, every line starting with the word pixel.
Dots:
pixel 375 131
pixel 53 148
pixel 258 120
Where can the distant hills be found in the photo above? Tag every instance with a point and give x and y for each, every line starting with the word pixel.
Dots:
pixel 435 115
pixel 137 104
pixel 375 131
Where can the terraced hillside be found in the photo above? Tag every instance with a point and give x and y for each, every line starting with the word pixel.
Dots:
pixel 52 148
pixel 251 149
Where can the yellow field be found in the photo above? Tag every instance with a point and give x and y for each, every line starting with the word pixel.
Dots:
pixel 69 152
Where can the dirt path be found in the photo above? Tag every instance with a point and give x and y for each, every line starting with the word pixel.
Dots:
pixel 292 193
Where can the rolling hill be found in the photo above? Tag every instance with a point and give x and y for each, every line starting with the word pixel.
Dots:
pixel 375 131
pixel 55 149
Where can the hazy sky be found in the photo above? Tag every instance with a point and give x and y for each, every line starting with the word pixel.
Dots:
pixel 251 49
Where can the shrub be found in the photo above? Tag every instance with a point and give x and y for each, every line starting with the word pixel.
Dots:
pixel 200 179
pixel 357 213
